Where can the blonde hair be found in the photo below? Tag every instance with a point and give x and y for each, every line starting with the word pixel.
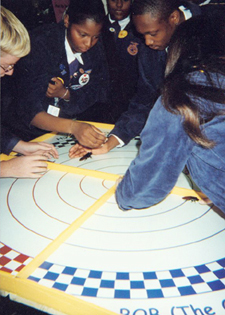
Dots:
pixel 15 39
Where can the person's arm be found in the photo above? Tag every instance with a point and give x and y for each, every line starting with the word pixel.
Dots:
pixel 151 67
pixel 34 74
pixel 131 122
pixel 163 154
pixel 87 135
pixel 84 96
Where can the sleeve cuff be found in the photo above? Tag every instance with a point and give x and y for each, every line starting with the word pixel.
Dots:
pixel 121 143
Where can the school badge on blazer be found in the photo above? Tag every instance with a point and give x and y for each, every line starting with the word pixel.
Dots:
pixel 132 48
pixel 84 79
pixel 122 34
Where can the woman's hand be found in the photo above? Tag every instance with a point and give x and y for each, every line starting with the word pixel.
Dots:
pixel 36 148
pixel 33 166
pixel 78 151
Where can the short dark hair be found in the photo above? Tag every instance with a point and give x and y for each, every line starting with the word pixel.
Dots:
pixel 158 8
pixel 81 10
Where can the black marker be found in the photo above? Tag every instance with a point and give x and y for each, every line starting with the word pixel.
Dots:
pixel 86 156
pixel 52 82
pixel 191 198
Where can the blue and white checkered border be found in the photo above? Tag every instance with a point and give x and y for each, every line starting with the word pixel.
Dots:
pixel 132 285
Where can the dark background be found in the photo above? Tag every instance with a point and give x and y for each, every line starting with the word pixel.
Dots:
pixel 8 307
pixel 31 13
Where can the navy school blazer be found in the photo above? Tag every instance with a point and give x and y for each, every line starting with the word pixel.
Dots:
pixel 151 68
pixel 48 59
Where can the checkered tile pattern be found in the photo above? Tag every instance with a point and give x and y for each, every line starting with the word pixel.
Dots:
pixel 139 285
pixel 12 261
pixel 62 141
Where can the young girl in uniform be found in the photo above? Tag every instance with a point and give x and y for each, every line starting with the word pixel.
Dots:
pixel 122 47
pixel 187 124
pixel 64 74
pixel 15 43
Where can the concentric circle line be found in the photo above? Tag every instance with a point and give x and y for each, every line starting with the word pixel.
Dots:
pixel 27 270
pixel 147 232
pixel 99 231
pixel 18 221
pixel 46 213
pixel 147 250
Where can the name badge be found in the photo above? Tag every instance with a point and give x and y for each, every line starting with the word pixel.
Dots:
pixel 53 110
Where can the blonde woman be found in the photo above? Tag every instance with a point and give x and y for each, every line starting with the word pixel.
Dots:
pixel 15 43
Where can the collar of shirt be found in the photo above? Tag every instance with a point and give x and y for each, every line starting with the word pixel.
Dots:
pixel 122 23
pixel 187 13
pixel 205 2
pixel 70 55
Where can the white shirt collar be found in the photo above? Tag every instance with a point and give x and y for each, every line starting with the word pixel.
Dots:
pixel 123 23
pixel 187 13
pixel 205 2
pixel 70 55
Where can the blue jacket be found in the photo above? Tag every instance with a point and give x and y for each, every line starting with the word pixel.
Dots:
pixel 48 59
pixel 151 67
pixel 166 149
